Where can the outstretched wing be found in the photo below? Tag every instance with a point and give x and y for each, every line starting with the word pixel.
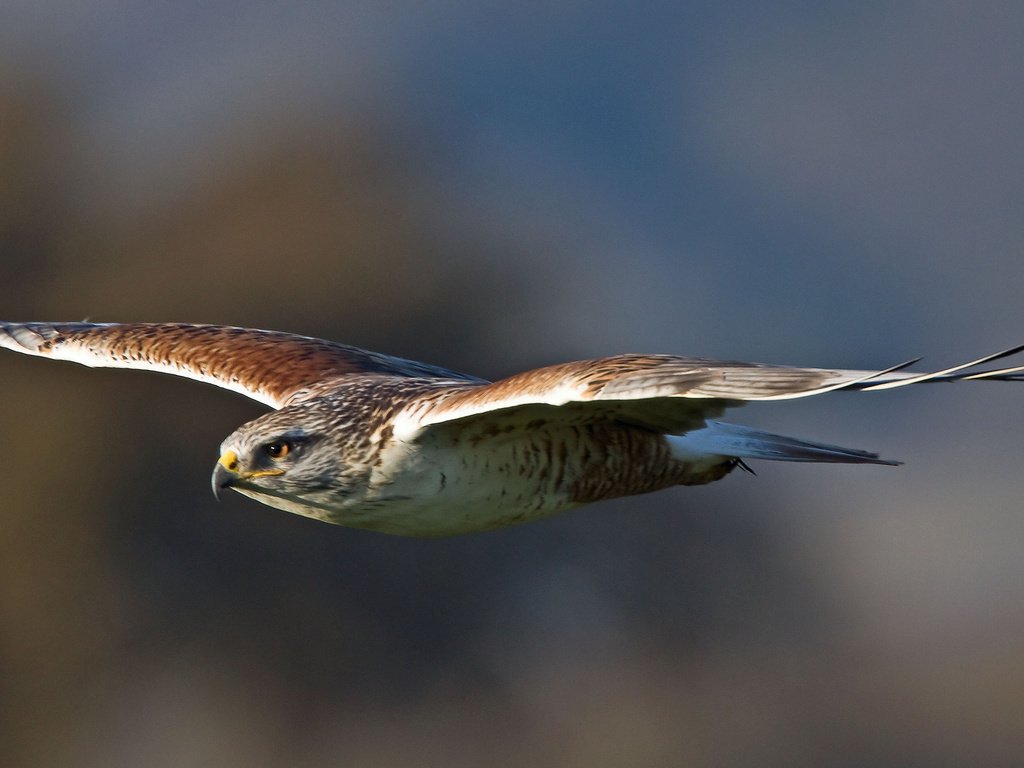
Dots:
pixel 271 367
pixel 662 392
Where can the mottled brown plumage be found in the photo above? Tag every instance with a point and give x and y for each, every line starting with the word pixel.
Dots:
pixel 374 441
pixel 272 367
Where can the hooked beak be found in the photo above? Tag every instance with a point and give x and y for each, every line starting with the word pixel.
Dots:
pixel 227 473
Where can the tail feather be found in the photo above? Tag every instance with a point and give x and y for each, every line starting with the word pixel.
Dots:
pixel 740 442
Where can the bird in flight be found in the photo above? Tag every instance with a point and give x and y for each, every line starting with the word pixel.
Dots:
pixel 371 441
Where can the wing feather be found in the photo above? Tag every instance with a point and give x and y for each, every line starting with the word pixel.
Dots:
pixel 269 366
pixel 667 393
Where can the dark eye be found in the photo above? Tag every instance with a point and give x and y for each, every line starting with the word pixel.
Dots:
pixel 277 450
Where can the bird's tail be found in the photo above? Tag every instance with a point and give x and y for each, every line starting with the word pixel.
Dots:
pixel 738 442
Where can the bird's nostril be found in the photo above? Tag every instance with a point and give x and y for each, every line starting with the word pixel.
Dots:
pixel 229 461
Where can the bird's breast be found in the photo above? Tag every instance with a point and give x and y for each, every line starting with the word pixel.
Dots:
pixel 494 476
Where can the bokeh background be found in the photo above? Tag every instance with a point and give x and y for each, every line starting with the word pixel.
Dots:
pixel 494 186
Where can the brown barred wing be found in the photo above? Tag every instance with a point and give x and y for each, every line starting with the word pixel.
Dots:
pixel 271 367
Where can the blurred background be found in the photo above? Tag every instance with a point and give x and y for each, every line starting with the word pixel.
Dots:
pixel 491 187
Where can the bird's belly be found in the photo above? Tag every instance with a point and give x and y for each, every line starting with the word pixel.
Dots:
pixel 450 492
pixel 465 484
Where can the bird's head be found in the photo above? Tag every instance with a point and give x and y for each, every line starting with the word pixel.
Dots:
pixel 286 459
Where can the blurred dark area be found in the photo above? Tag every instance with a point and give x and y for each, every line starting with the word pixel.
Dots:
pixel 493 187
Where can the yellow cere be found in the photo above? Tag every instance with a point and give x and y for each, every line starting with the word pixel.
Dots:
pixel 229 461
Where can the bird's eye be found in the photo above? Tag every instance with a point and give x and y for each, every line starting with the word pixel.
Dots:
pixel 277 450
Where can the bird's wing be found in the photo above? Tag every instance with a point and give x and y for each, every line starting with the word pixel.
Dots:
pixel 272 367
pixel 661 392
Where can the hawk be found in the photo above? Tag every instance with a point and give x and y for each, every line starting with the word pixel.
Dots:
pixel 367 440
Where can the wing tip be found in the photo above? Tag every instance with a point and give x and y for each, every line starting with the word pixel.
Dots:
pixel 36 338
pixel 22 337
pixel 952 374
